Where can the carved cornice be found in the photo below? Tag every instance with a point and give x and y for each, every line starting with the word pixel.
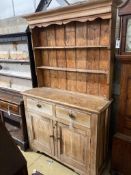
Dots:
pixel 82 12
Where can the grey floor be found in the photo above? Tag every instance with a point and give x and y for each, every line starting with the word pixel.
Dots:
pixel 47 166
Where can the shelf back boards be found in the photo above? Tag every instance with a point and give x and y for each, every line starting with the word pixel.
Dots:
pixel 74 47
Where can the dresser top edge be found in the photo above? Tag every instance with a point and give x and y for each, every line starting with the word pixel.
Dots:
pixel 80 101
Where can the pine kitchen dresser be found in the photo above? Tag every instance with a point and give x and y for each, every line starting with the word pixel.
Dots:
pixel 68 113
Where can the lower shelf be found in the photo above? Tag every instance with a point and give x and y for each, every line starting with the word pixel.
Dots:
pixel 74 70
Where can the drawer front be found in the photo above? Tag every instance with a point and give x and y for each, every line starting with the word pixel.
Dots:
pixel 3 105
pixel 72 115
pixel 14 109
pixel 39 106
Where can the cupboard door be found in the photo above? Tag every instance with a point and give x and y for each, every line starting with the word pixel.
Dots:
pixel 124 123
pixel 41 136
pixel 74 147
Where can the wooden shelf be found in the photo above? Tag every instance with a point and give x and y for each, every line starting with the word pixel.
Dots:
pixel 71 47
pixel 10 89
pixel 73 70
pixel 68 56
pixel 13 61
pixel 15 75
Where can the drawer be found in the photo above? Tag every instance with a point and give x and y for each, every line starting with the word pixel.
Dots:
pixel 14 109
pixel 3 105
pixel 39 106
pixel 76 116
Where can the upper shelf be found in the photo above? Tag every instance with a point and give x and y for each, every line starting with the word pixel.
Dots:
pixel 15 74
pixel 14 37
pixel 74 70
pixel 72 47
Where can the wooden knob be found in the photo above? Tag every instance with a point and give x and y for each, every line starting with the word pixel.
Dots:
pixel 39 106
pixel 52 136
pixel 71 116
pixel 58 138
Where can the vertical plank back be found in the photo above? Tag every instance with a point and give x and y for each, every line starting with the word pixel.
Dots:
pixel 74 36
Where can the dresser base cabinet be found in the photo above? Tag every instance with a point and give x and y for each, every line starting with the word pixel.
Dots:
pixel 72 131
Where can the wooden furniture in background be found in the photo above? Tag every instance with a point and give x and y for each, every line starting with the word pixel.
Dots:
pixel 67 115
pixel 13 116
pixel 15 70
pixel 15 77
pixel 12 161
pixel 121 153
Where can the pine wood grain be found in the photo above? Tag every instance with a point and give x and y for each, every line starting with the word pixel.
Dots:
pixel 81 82
pixel 71 81
pixel 62 78
pixel 93 36
pixel 45 58
pixel 60 35
pixel 104 59
pixel 54 79
pixel 43 37
pixel 46 78
pixel 105 33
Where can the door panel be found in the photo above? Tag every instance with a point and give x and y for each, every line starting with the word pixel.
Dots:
pixel 41 133
pixel 128 106
pixel 74 147
pixel 124 122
